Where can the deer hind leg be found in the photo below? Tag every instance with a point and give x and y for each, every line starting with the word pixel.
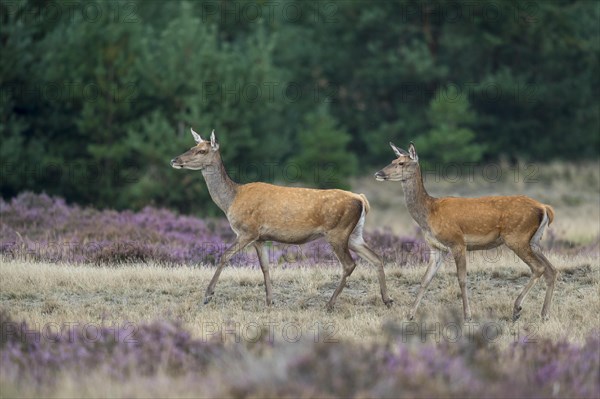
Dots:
pixel 434 265
pixel 264 265
pixel 537 266
pixel 348 265
pixel 240 243
pixel 550 272
pixel 359 246
pixel 550 275
pixel 460 258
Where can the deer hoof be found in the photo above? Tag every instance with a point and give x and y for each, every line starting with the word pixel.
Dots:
pixel 329 307
pixel 389 303
pixel 207 299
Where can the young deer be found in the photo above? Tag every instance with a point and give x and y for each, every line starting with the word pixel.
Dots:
pixel 260 212
pixel 458 225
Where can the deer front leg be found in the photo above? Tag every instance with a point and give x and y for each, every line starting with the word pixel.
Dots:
pixel 239 244
pixel 264 265
pixel 434 266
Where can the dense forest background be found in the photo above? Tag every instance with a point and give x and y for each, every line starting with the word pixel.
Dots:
pixel 97 97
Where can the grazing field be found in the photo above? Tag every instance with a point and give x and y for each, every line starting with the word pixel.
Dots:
pixel 108 304
pixel 139 330
pixel 43 293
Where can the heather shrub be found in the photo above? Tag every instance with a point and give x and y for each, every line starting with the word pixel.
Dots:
pixel 557 368
pixel 399 250
pixel 394 368
pixel 44 228
pixel 40 227
pixel 39 355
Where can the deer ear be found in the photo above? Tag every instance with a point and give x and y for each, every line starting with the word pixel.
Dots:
pixel 197 137
pixel 213 141
pixel 412 152
pixel 398 151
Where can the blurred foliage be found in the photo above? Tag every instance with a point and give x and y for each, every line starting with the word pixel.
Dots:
pixel 97 97
pixel 322 151
pixel 450 138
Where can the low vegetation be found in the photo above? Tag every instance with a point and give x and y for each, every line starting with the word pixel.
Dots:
pixel 99 303
pixel 39 227
pixel 163 359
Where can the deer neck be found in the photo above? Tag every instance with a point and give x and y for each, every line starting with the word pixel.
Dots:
pixel 220 186
pixel 418 201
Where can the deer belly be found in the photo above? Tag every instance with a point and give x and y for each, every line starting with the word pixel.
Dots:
pixel 482 241
pixel 288 236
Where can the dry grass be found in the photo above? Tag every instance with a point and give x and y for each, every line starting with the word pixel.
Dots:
pixel 56 295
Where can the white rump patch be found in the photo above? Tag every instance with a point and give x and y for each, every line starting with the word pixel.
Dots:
pixel 356 238
pixel 535 240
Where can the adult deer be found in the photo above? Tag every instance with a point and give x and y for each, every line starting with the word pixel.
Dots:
pixel 458 225
pixel 259 212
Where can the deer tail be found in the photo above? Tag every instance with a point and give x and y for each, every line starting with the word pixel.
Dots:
pixel 550 213
pixel 547 218
pixel 365 201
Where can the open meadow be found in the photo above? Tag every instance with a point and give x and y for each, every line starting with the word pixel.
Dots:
pixel 109 304
pixel 136 138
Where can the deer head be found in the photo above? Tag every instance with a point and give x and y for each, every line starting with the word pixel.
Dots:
pixel 205 153
pixel 403 167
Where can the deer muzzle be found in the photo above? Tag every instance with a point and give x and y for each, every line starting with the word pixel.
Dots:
pixel 380 176
pixel 175 163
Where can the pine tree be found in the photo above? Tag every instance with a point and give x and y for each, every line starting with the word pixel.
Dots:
pixel 322 155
